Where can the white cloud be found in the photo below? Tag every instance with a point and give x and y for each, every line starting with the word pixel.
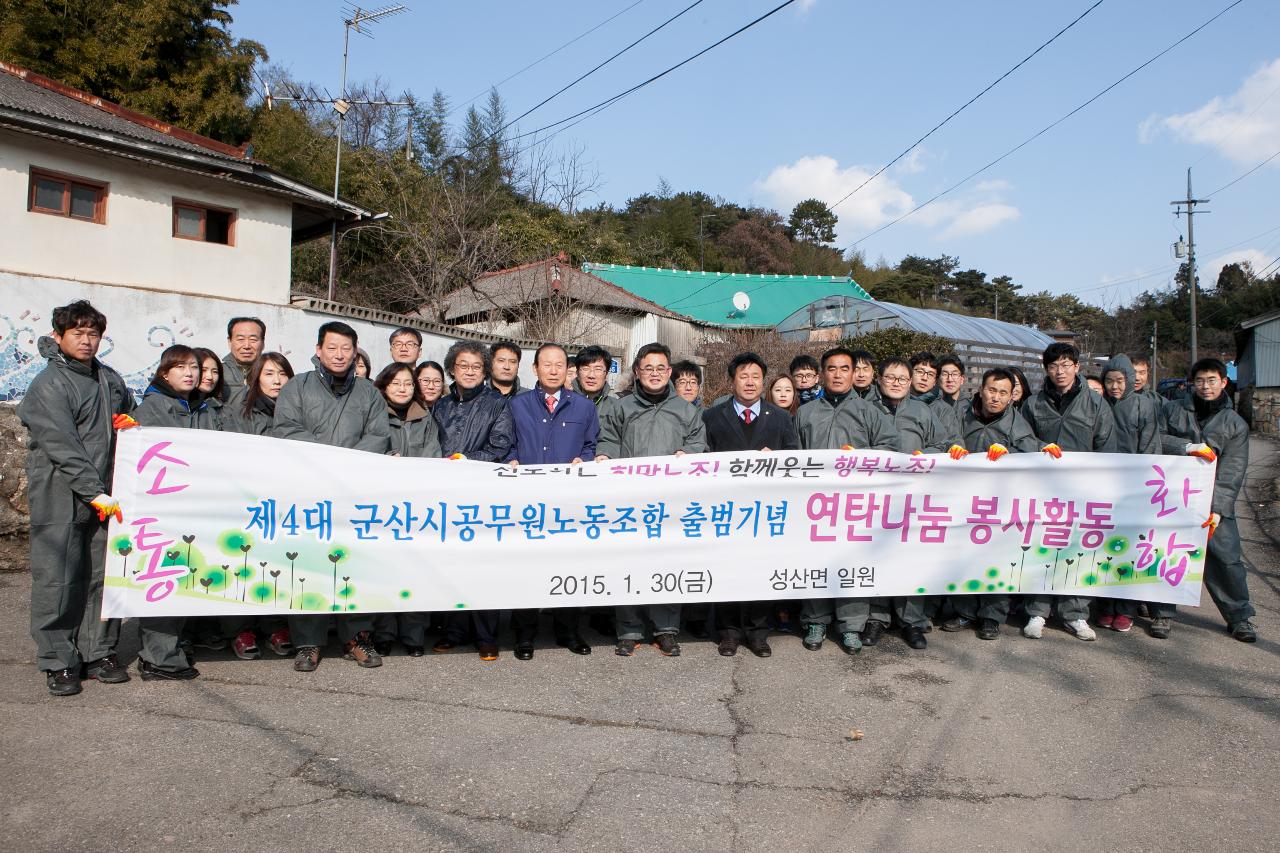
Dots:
pixel 981 219
pixel 806 5
pixel 913 163
pixel 1242 127
pixel 822 177
pixel 1208 273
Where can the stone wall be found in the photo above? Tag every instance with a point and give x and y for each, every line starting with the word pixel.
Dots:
pixel 1265 405
pixel 14 521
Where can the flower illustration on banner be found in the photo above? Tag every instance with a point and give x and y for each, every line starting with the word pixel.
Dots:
pixel 336 556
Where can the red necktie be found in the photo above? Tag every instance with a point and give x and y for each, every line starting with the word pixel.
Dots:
pixel 746 416
pixel 551 404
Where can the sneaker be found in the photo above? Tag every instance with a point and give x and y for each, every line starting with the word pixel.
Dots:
pixel 1160 627
pixel 1122 624
pixel 360 649
pixel 281 643
pixel 666 643
pixel 108 670
pixel 625 648
pixel 63 682
pixel 245 645
pixel 1244 631
pixel 151 672
pixel 988 629
pixel 1034 629
pixel 814 634
pixel 1106 620
pixel 212 642
pixel 1080 627
pixel 306 659
pixel 956 623
pixel 851 642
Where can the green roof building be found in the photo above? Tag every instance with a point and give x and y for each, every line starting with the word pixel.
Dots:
pixel 708 297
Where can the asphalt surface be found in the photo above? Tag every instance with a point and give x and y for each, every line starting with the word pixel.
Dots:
pixel 1126 743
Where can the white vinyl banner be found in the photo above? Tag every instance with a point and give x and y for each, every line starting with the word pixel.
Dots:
pixel 222 523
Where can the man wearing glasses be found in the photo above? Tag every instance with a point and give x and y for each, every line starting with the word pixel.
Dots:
pixel 804 374
pixel 924 387
pixel 687 377
pixel 1066 416
pixel 1205 425
pixel 651 421
pixel 406 346
pixel 951 381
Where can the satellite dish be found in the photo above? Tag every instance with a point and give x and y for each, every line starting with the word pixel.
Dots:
pixel 741 301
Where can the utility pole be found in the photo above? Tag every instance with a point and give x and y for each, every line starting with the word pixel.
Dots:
pixel 1152 376
pixel 702 258
pixel 1190 203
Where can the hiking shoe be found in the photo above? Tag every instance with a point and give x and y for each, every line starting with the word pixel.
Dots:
pixel 625 648
pixel 1122 624
pixel 1080 627
pixel 360 649
pixel 151 672
pixel 851 642
pixel 245 645
pixel 814 634
pixel 281 642
pixel 1034 629
pixel 988 629
pixel 63 682
pixel 108 670
pixel 306 659
pixel 1160 627
pixel 666 643
pixel 956 623
pixel 1244 631
pixel 1106 620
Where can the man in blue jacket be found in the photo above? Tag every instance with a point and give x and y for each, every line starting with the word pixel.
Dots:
pixel 553 426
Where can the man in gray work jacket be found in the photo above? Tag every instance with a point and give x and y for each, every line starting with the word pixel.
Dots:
pixel 1067 416
pixel 331 405
pixel 653 420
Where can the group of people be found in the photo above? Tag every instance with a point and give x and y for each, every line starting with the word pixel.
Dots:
pixel 473 407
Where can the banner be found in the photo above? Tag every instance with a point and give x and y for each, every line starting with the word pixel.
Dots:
pixel 222 523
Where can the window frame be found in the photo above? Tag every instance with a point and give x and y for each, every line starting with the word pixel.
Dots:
pixel 204 208
pixel 101 190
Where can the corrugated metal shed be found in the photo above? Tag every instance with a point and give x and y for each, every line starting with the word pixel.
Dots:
pixel 1258 351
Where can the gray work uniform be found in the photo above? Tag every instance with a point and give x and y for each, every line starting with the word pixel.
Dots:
pixel 67 411
pixel 318 407
pixel 636 426
pixel 948 415
pixel 1078 421
pixel 414 436
pixel 161 635
pixel 832 422
pixel 234 378
pixel 1227 433
pixel 1011 431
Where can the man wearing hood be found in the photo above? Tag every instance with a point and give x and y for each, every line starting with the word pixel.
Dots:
pixel 1137 419
pixel 651 421
pixel 1205 425
pixel 1067 417
pixel 71 411
pixel 842 418
pixel 992 425
pixel 246 338
pixel 331 405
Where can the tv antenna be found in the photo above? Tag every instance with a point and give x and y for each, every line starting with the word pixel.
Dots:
pixel 359 20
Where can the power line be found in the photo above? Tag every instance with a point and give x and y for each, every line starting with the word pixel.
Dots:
pixel 966 105
pixel 1245 175
pixel 571 41
pixel 1043 130
pixel 587 74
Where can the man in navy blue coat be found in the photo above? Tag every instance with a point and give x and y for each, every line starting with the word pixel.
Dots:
pixel 553 426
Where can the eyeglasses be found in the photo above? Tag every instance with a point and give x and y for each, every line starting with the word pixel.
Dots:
pixel 430 382
pixel 896 380
pixel 928 374
pixel 406 345
pixel 468 368
pixel 687 383
pixel 1208 381
pixel 654 371
pixel 805 374
pixel 951 374
pixel 592 370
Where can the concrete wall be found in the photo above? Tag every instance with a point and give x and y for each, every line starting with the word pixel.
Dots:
pixel 142 323
pixel 136 246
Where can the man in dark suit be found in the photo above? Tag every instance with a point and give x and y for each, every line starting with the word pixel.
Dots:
pixel 746 422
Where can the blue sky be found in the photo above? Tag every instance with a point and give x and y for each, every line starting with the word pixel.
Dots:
pixel 822 94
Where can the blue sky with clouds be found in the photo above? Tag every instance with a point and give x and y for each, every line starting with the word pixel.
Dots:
pixel 818 97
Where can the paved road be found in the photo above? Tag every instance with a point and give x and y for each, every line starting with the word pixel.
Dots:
pixel 1127 743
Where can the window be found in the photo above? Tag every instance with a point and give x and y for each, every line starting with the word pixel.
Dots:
pixel 65 195
pixel 195 221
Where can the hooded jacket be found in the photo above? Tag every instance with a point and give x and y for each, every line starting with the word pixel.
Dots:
pixel 1225 431
pixel 476 424
pixel 162 406
pixel 1137 415
pixel 260 420
pixel 315 406
pixel 1010 430
pixel 637 426
pixel 604 400
pixel 918 427
pixel 948 415
pixel 414 435
pixel 1085 422
pixel 67 411
pixel 830 423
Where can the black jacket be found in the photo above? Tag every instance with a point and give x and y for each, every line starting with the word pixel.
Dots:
pixel 478 426
pixel 773 428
